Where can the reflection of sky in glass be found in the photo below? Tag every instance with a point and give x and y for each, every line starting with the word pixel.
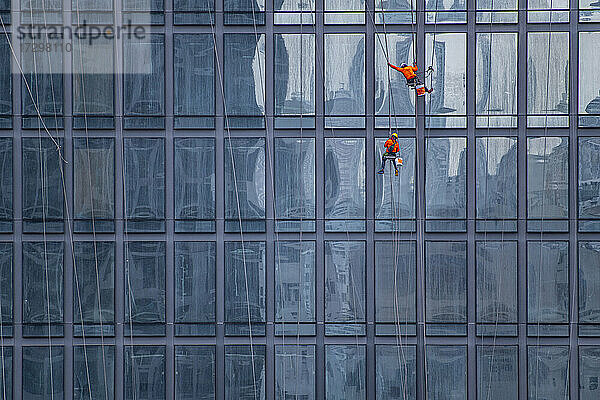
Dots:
pixel 399 49
pixel 344 68
pixel 300 51
pixel 495 148
pixel 589 65
pixel 258 68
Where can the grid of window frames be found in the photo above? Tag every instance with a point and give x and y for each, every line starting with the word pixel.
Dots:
pixel 211 226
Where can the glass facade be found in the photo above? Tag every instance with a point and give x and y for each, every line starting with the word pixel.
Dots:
pixel 195 212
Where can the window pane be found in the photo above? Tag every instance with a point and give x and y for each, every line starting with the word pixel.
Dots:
pixel 43 308
pixel 294 12
pixel 589 87
pixel 446 283
pixel 144 82
pixel 94 288
pixel 245 372
pixel 345 287
pixel 345 372
pixel 345 184
pixel 145 288
pixel 6 184
pixel 496 80
pixel 193 12
pixel 588 12
pixel 6 287
pixel 449 80
pixel 144 371
pixel 446 183
pixel 496 183
pixel 244 80
pixel 395 284
pixel 547 90
pixel 345 11
pixel 294 65
pixel 93 82
pixel 93 372
pixel 42 186
pixel 548 182
pixel 548 282
pixel 194 80
pixel 446 372
pixel 244 12
pixel 245 288
pixel 99 11
pixel 295 287
pixel 492 11
pixel 295 372
pixel 497 372
pixel 395 12
pixel 6 108
pixel 295 184
pixel 144 171
pixel 589 183
pixel 446 13
pixel 6 383
pixel 244 184
pixel 539 11
pixel 43 372
pixel 392 96
pixel 195 288
pixel 194 177
pixel 548 372
pixel 396 372
pixel 144 12
pixel 194 372
pixel 344 80
pixel 589 365
pixel 94 184
pixel 589 283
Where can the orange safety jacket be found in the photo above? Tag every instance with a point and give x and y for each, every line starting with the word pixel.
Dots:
pixel 389 143
pixel 408 71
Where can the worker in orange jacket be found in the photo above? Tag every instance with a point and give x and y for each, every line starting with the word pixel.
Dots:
pixel 391 149
pixel 409 72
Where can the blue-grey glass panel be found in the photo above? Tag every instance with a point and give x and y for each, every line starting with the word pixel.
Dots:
pixel 344 80
pixel 144 371
pixel 552 11
pixel 345 372
pixel 344 11
pixel 497 372
pixel 94 288
pixel 6 184
pixel 42 280
pixel 5 11
pixel 395 195
pixel 6 365
pixel 395 282
pixel 195 289
pixel 396 372
pixel 395 12
pixel 496 79
pixel 144 81
pixel 194 372
pixel 93 82
pixel 244 12
pixel 547 79
pixel 589 372
pixel 43 372
pixel 6 108
pixel 496 183
pixel 93 372
pixel 41 12
pixel 244 184
pixel 144 172
pixel 294 65
pixel 496 271
pixel 42 186
pixel 92 11
pixel 447 105
pixel 295 372
pixel 589 11
pixel 548 282
pixel 394 100
pixel 589 88
pixel 589 282
pixel 93 184
pixel 245 372
pixel 193 12
pixel 145 288
pixel 42 79
pixel 344 186
pixel 446 372
pixel 245 266
pixel 6 287
pixel 294 12
pixel 244 80
pixel 547 178
pixel 295 276
pixel 345 292
pixel 589 183
pixel 446 282
pixel 494 11
pixel 143 12
pixel 548 372
pixel 446 179
pixel 295 183
pixel 194 80
pixel 446 12
pixel 194 177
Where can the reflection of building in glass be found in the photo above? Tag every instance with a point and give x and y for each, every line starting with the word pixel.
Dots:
pixel 397 96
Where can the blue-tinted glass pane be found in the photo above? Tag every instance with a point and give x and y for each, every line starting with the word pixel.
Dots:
pixel 548 372
pixel 144 371
pixel 93 372
pixel 5 74
pixel 295 372
pixel 589 181
pixel 589 372
pixel 589 282
pixel 294 12
pixel 245 372
pixel 43 372
pixel 6 285
pixel 497 372
pixel 345 11
pixel 244 12
pixel 446 12
pixel 6 365
pixel 446 372
pixel 589 89
pixel 6 184
pixel 194 372
pixel 396 372
pixel 493 11
pixel 193 12
pixel 345 372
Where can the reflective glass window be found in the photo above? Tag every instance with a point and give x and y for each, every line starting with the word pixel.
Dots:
pixel 345 372
pixel 43 372
pixel 497 372
pixel 244 12
pixel 294 12
pixel 589 11
pixel 494 11
pixel 6 378
pixel 589 87
pixel 96 11
pixel 295 372
pixel 446 12
pixel 6 184
pixel 6 287
pixel 245 372
pixel 344 11
pixel 589 288
pixel 395 12
pixel 589 372
pixel 446 369
pixel 193 12
pixel 548 372
pixel 195 372
pixel 6 108
pixel 144 371
pixel 144 12
pixel 396 372
pixel 588 194
pixel 94 372
pixel 547 11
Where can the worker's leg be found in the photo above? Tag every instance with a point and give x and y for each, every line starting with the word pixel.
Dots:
pixel 382 164
pixel 395 166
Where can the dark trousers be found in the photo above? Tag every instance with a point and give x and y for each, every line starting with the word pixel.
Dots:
pixel 412 81
pixel 391 157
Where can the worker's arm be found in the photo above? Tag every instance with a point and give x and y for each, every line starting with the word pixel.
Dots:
pixel 396 68
pixel 415 68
